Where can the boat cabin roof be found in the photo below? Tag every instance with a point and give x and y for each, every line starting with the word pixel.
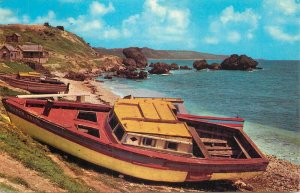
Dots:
pixel 29 74
pixel 150 116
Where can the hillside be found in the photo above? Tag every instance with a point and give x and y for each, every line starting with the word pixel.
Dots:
pixel 66 50
pixel 165 54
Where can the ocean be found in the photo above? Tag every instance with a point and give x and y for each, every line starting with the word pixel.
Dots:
pixel 268 99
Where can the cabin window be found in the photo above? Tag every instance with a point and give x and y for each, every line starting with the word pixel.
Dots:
pixel 171 145
pixel 113 122
pixel 88 116
pixel 119 132
pixel 148 142
pixel 89 130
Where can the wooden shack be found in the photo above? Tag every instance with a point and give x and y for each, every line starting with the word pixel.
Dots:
pixel 15 37
pixel 9 53
pixel 34 53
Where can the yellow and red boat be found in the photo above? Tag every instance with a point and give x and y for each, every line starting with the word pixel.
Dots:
pixel 147 138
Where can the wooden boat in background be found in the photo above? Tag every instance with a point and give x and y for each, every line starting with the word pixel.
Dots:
pixel 32 82
pixel 147 138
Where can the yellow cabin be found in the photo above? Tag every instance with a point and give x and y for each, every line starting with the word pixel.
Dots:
pixel 150 123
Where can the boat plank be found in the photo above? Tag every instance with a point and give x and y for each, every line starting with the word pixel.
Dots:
pixel 199 142
pixel 241 147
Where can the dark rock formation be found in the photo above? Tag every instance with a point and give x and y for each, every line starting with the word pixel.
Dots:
pixel 185 68
pixel 214 66
pixel 137 55
pixel 108 76
pixel 75 76
pixel 143 75
pixel 200 64
pixel 159 68
pixel 236 62
pixel 129 62
pixel 174 66
pixel 131 74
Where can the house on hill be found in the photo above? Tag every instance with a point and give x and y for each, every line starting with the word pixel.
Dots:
pixel 8 52
pixel 34 53
pixel 15 37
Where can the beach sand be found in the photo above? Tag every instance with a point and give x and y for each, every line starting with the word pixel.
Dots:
pixel 96 91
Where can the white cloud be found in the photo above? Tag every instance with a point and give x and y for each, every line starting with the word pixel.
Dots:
pixel 211 40
pixel 7 16
pixel 277 33
pixel 232 26
pixel 97 8
pixel 159 23
pixel 282 19
pixel 234 36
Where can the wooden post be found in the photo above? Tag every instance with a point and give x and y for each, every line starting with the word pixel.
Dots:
pixel 48 107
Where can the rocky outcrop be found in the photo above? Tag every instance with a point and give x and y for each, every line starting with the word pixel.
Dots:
pixel 185 68
pixel 129 62
pixel 75 76
pixel 132 74
pixel 160 68
pixel 174 66
pixel 214 66
pixel 236 62
pixel 137 55
pixel 200 64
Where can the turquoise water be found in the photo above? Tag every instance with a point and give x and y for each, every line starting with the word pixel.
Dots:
pixel 268 99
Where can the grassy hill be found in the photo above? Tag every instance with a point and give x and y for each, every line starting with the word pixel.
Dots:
pixel 66 50
pixel 165 54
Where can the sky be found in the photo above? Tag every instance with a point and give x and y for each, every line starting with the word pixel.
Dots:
pixel 267 29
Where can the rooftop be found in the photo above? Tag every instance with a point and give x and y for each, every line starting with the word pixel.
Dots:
pixel 31 48
pixel 151 116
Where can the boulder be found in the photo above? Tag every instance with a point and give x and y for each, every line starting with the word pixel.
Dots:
pixel 236 62
pixel 143 75
pixel 132 74
pixel 214 66
pixel 108 76
pixel 137 55
pixel 159 68
pixel 200 64
pixel 75 76
pixel 173 66
pixel 129 62
pixel 185 68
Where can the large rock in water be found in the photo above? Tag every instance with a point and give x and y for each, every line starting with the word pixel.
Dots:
pixel 173 66
pixel 200 64
pixel 137 55
pixel 214 66
pixel 236 62
pixel 160 68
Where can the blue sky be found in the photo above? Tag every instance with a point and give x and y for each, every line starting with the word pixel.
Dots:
pixel 268 29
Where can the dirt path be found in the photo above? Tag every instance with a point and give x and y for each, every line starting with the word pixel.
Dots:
pixel 23 179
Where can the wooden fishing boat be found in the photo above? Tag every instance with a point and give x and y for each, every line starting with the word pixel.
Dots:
pixel 146 138
pixel 32 82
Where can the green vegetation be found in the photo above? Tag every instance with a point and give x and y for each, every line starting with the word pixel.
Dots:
pixel 4 91
pixel 34 155
pixel 6 188
pixel 14 67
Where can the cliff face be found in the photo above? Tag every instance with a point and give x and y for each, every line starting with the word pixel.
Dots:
pixel 165 54
pixel 67 51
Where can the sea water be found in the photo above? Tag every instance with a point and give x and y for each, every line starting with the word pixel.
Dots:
pixel 268 99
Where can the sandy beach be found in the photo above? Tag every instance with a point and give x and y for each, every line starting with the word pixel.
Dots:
pixel 96 91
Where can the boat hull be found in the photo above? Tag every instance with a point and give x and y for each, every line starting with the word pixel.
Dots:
pixel 152 167
pixel 36 87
